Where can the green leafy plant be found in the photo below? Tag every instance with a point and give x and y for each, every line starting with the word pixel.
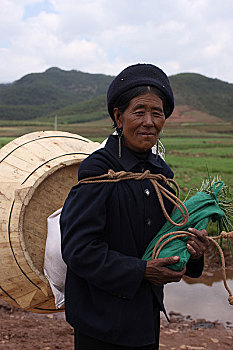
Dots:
pixel 221 193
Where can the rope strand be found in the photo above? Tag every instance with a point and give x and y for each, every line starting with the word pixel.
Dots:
pixel 178 234
pixel 113 176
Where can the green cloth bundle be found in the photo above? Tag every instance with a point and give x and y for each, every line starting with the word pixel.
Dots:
pixel 201 208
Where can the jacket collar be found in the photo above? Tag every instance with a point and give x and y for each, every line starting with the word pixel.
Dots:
pixel 128 160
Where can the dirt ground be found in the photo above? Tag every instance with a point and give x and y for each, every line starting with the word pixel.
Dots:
pixel 22 330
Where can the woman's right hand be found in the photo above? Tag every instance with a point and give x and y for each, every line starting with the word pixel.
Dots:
pixel 157 273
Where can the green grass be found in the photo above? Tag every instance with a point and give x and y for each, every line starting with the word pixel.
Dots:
pixel 5 140
pixel 185 143
pixel 223 152
pixel 194 159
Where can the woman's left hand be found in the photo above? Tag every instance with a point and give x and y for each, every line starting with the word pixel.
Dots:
pixel 197 245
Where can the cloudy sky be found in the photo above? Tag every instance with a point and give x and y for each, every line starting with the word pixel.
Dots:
pixel 104 36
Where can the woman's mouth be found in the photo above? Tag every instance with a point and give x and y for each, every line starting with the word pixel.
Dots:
pixel 146 133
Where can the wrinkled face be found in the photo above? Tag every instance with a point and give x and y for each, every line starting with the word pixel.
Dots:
pixel 142 122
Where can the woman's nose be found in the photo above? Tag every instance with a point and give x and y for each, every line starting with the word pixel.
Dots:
pixel 148 119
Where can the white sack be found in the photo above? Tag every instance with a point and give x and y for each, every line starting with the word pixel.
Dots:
pixel 54 266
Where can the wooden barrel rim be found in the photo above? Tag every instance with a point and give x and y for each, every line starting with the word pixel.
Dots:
pixel 41 138
pixel 24 231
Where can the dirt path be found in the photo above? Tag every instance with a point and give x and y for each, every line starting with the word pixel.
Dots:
pixel 21 330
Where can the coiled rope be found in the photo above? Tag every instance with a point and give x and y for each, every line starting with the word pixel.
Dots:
pixel 113 176
pixel 178 234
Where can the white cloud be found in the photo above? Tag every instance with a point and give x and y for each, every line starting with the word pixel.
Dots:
pixel 104 36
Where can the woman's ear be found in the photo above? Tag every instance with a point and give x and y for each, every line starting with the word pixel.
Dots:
pixel 118 117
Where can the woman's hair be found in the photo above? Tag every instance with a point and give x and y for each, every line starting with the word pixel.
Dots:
pixel 123 101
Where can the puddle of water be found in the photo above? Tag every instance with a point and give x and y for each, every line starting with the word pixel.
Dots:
pixel 204 298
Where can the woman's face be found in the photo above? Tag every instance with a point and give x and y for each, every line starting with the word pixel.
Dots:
pixel 142 121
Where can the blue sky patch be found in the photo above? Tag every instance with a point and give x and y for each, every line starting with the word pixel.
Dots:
pixel 33 10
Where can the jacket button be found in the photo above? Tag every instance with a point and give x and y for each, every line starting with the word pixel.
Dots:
pixel 147 192
pixel 148 222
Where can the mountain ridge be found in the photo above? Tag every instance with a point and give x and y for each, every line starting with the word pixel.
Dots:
pixel 77 96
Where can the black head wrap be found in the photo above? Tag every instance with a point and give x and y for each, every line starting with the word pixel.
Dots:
pixel 140 75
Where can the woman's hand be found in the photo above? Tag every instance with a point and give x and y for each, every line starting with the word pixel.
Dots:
pixel 158 274
pixel 197 245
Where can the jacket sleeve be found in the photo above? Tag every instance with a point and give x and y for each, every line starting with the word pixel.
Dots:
pixel 84 250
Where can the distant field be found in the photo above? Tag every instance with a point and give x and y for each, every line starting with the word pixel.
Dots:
pixel 101 128
pixel 194 159
pixel 192 150
pixel 98 128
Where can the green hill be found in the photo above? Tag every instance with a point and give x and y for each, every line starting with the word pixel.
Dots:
pixel 76 96
pixel 41 94
pixel 212 96
pixel 88 110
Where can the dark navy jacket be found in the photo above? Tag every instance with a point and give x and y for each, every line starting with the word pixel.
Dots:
pixel 105 229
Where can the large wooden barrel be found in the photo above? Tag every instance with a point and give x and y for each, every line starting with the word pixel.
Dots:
pixel 37 171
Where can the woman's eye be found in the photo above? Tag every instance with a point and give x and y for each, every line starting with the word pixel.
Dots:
pixel 158 114
pixel 139 113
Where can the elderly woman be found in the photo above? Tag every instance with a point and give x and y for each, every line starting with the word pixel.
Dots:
pixel 113 297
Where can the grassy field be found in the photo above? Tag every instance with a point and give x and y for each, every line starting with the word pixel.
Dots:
pixel 194 159
pixel 193 151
